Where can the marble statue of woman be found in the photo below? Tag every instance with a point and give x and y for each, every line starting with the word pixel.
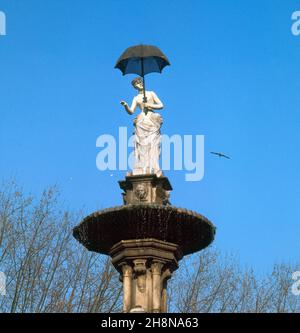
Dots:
pixel 147 130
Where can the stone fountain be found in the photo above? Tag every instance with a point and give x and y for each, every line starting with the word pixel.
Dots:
pixel 146 236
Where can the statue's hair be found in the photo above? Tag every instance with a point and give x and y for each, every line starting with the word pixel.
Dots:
pixel 136 80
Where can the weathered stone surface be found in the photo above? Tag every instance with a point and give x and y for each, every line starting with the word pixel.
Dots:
pixel 145 266
pixel 146 189
pixel 146 238
pixel 100 231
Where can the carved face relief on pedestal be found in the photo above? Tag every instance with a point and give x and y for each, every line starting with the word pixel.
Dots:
pixel 141 192
pixel 140 272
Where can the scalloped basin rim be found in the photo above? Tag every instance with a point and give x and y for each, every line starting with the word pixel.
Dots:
pixel 102 229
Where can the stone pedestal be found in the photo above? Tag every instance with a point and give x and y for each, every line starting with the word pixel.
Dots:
pixel 145 265
pixel 146 189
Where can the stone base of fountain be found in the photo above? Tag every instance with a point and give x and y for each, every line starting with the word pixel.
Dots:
pixel 145 265
pixel 146 238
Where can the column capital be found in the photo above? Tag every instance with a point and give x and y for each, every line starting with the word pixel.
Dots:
pixel 139 266
pixel 156 267
pixel 126 269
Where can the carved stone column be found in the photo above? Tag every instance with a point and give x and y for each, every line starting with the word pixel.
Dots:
pixel 164 298
pixel 145 264
pixel 156 268
pixel 166 275
pixel 127 287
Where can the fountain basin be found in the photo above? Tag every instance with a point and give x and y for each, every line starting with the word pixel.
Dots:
pixel 100 231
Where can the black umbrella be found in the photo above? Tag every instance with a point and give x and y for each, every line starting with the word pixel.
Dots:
pixel 142 60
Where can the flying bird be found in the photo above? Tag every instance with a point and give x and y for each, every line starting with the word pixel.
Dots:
pixel 220 154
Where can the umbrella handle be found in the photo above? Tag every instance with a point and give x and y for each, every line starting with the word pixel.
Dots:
pixel 143 76
pixel 144 98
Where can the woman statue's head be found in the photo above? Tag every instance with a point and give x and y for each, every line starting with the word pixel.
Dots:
pixel 137 83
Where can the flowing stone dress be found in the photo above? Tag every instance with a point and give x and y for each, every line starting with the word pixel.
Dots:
pixel 147 142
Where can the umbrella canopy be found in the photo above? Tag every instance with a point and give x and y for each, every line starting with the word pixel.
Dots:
pixel 142 60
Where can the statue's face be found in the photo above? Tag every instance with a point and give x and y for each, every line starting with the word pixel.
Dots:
pixel 138 85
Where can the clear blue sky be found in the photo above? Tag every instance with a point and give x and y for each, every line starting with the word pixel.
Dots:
pixel 234 78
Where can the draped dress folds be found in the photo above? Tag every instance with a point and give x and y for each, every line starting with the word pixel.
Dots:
pixel 147 141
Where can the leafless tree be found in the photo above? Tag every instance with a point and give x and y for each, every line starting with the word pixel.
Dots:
pixel 212 282
pixel 46 269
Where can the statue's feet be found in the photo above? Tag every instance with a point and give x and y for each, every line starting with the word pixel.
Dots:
pixel 144 171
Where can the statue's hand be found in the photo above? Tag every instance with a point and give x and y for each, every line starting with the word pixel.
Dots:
pixel 123 103
pixel 148 106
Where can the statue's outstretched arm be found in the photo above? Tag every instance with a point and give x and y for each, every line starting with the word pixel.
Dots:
pixel 130 110
pixel 157 105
